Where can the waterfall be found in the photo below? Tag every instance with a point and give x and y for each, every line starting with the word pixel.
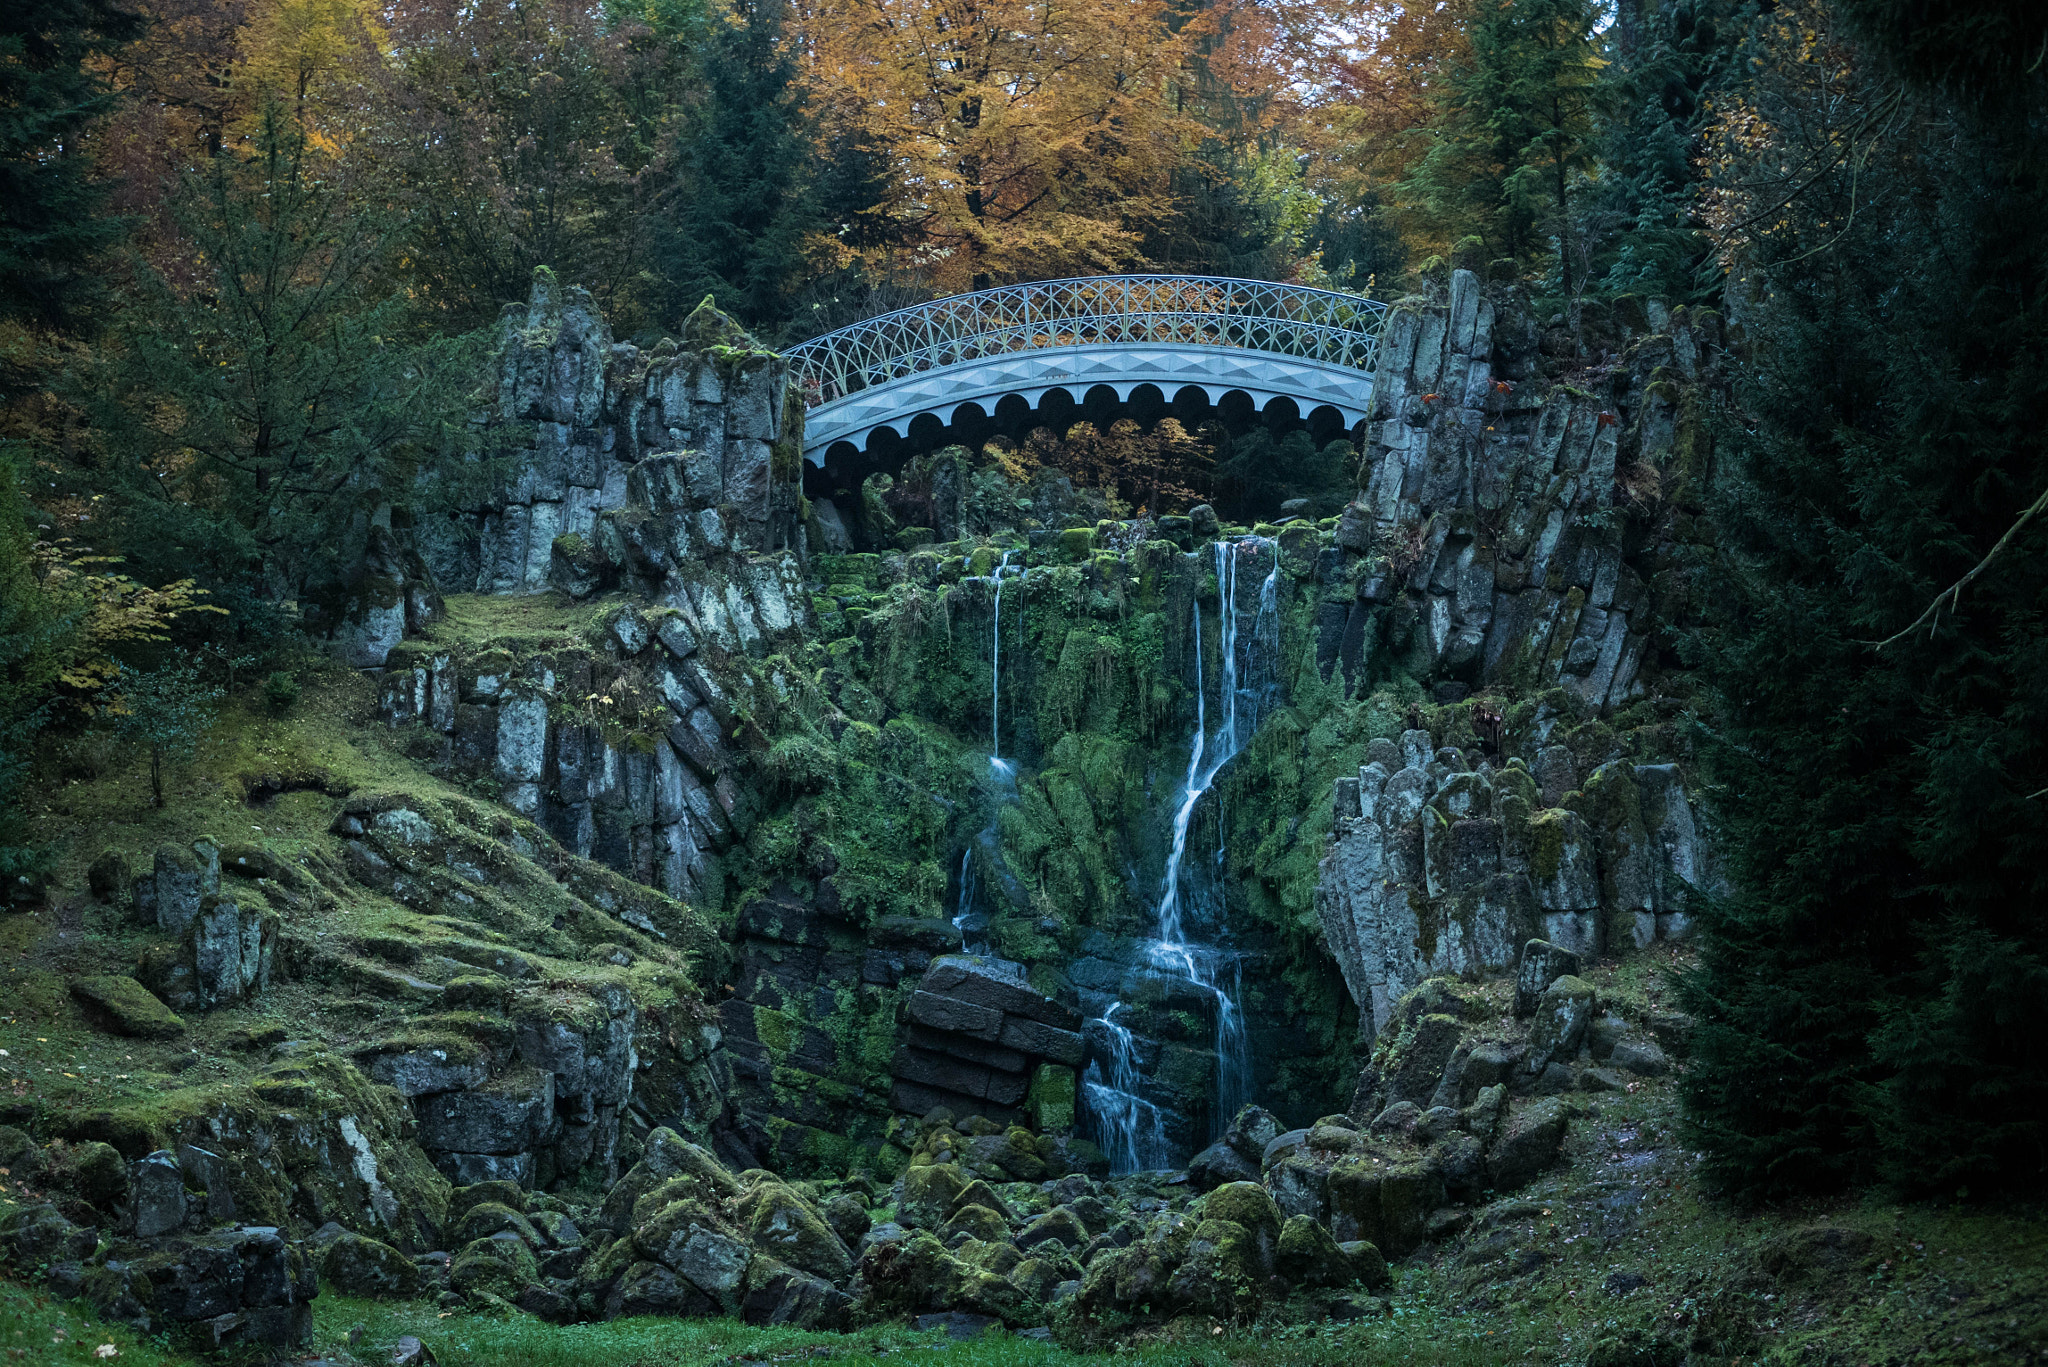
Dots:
pixel 1133 1129
pixel 1132 1138
pixel 965 907
pixel 995 672
pixel 1003 771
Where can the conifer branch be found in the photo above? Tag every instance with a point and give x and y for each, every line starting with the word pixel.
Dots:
pixel 1954 593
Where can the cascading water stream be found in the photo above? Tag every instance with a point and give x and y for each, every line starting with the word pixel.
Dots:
pixel 1133 1130
pixel 1002 769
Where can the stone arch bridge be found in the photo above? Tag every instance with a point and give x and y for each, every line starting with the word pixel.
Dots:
pixel 1155 344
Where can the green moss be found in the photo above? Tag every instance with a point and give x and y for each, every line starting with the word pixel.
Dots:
pixel 1546 843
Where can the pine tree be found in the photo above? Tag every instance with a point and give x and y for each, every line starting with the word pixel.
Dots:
pixel 1509 128
pixel 1871 995
pixel 257 419
pixel 736 221
pixel 52 220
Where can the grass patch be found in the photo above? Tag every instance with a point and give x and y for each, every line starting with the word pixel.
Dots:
pixel 35 1328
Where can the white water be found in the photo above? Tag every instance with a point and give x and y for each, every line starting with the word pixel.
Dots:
pixel 1133 1131
pixel 995 671
pixel 1004 771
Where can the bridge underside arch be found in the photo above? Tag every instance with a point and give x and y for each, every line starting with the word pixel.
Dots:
pixel 1056 387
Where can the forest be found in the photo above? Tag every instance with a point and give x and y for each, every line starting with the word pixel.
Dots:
pixel 1214 681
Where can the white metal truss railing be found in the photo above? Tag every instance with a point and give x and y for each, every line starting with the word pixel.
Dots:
pixel 1324 326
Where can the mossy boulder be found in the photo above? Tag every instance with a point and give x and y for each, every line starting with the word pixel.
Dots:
pixel 1250 1205
pixel 352 1265
pixel 1308 1256
pixel 489 1218
pixel 1223 1273
pixel 1385 1198
pixel 784 1225
pixel 916 1273
pixel 124 1006
pixel 91 1175
pixel 502 1266
pixel 1368 1264
pixel 930 1194
pixel 978 1222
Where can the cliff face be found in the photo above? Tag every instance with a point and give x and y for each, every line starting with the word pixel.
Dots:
pixel 1515 539
pixel 1457 734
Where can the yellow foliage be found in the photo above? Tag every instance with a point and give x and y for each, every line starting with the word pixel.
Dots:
pixel 114 608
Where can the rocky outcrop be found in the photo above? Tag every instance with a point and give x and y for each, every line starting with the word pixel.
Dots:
pixel 1440 865
pixel 576 415
pixel 981 1039
pixel 1487 541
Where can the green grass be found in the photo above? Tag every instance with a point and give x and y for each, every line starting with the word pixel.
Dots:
pixel 34 1328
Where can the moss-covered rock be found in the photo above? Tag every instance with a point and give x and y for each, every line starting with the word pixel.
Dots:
pixel 502 1266
pixel 352 1265
pixel 1308 1256
pixel 125 1007
pixel 782 1224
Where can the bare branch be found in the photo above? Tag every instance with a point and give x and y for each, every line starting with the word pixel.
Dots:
pixel 1954 593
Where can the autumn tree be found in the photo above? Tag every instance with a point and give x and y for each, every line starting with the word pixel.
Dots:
pixel 1031 141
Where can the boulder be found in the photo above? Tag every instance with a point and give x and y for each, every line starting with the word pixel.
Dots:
pixel 848 1217
pixel 930 1193
pixel 355 1266
pixel 508 1115
pixel 1542 964
pixel 1641 1057
pixel 916 1273
pixel 502 1266
pixel 1528 1143
pixel 785 1226
pixel 1384 1198
pixel 157 1194
pixel 1220 1163
pixel 1223 1272
pixel 1060 1223
pixel 976 1222
pixel 1251 1130
pixel 39 1235
pixel 779 1294
pixel 1368 1264
pixel 1308 1256
pixel 125 1007
pixel 1562 1015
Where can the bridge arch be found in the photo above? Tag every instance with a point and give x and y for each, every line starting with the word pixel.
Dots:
pixel 996 357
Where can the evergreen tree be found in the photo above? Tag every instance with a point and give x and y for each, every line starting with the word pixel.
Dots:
pixel 736 222
pixel 256 420
pixel 52 215
pixel 1649 107
pixel 1509 128
pixel 1872 995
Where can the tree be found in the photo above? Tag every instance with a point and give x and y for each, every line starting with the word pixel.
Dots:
pixel 1508 127
pixel 737 218
pixel 52 223
pixel 167 710
pixel 1641 212
pixel 37 643
pixel 510 140
pixel 1030 141
pixel 278 404
pixel 1870 995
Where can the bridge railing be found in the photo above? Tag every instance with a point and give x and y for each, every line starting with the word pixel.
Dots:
pixel 1129 310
